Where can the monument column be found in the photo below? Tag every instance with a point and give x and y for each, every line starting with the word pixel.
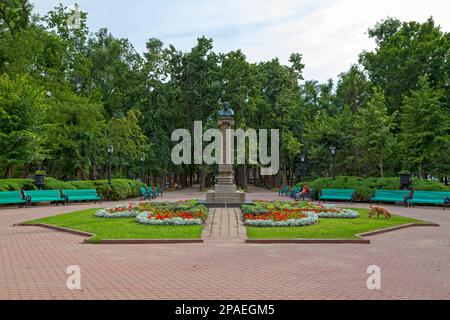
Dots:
pixel 224 192
pixel 225 176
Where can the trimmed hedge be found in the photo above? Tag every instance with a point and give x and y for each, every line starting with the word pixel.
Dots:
pixel 118 190
pixel 365 187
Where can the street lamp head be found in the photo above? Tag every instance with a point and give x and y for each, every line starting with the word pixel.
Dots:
pixel 142 158
pixel 333 150
pixel 110 149
pixel 302 158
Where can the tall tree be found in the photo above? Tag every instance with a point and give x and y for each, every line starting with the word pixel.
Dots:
pixel 22 126
pixel 425 128
pixel 374 127
pixel 405 52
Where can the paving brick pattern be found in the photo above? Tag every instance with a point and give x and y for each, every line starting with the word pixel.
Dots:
pixel 414 262
pixel 224 225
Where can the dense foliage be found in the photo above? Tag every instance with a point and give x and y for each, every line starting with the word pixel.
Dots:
pixel 118 190
pixel 66 93
pixel 365 187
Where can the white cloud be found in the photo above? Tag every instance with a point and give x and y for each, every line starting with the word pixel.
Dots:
pixel 331 37
pixel 329 33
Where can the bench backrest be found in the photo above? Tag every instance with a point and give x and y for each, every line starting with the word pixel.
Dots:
pixel 392 193
pixel 144 190
pixel 10 195
pixel 431 194
pixel 80 192
pixel 337 192
pixel 36 194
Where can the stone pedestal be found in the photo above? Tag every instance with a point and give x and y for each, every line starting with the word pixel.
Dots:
pixel 225 190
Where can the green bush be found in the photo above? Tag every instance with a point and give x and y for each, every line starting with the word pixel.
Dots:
pixel 118 190
pixel 53 184
pixel 365 187
pixel 16 184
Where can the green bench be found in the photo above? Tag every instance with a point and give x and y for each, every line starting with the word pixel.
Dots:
pixel 147 193
pixel 159 191
pixel 284 191
pixel 154 192
pixel 36 196
pixel 337 194
pixel 294 191
pixel 81 195
pixel 12 197
pixel 430 197
pixel 391 196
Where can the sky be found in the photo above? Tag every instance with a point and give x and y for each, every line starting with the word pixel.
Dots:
pixel 329 34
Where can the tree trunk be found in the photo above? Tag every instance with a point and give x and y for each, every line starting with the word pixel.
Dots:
pixel 284 175
pixel 93 172
pixel 9 171
pixel 202 178
pixel 26 170
pixel 380 165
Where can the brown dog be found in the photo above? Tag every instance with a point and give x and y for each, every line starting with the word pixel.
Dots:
pixel 376 210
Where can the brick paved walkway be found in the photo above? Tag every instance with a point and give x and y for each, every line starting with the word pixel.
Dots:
pixel 414 262
pixel 224 225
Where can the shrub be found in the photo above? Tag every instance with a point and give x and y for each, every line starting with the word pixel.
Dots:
pixel 118 190
pixel 53 184
pixel 16 184
pixel 365 187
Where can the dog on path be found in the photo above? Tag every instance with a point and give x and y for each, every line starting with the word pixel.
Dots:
pixel 377 210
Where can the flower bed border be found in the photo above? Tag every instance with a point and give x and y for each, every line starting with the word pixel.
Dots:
pixel 109 241
pixel 310 219
pixel 360 236
pixel 115 214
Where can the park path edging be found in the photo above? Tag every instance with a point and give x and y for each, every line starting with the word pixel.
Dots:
pixel 109 241
pixel 361 236
pixel 239 236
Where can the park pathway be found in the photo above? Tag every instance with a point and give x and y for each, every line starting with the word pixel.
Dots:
pixel 415 262
pixel 224 225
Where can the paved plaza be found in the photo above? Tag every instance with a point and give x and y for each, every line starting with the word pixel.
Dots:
pixel 414 262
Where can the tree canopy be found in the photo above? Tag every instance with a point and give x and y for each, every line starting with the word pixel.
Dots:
pixel 67 93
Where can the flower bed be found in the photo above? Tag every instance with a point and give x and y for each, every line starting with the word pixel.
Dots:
pixel 180 213
pixel 159 213
pixel 150 218
pixel 265 220
pixel 129 211
pixel 287 214
pixel 334 212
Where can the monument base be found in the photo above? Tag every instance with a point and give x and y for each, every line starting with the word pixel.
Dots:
pixel 225 195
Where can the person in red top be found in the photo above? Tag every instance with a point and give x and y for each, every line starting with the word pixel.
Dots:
pixel 305 192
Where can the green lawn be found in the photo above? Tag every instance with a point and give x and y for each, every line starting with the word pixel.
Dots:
pixel 330 228
pixel 122 228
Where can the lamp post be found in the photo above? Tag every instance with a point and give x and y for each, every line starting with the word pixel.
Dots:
pixel 333 154
pixel 110 152
pixel 142 167
pixel 302 167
